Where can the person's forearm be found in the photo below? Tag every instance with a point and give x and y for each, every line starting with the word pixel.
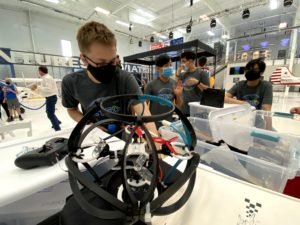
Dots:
pixel 179 101
pixel 138 109
pixel 75 114
pixel 233 101
pixel 203 86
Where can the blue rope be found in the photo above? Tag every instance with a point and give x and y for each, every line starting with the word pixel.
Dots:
pixel 172 170
pixel 26 107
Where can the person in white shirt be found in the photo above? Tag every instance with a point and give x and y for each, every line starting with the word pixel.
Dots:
pixel 48 89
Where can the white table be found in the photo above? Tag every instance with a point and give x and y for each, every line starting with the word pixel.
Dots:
pixel 216 199
pixel 17 183
pixel 220 199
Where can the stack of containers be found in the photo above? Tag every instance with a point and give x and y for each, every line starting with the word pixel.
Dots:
pixel 268 158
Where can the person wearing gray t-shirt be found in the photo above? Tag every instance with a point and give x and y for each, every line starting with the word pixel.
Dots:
pixel 102 78
pixel 254 90
pixel 164 86
pixel 194 80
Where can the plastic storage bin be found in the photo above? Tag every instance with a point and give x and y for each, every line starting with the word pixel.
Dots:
pixel 247 168
pixel 200 111
pixel 230 112
pixel 280 122
pixel 280 149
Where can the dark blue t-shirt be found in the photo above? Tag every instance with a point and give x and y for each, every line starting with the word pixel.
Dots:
pixel 9 89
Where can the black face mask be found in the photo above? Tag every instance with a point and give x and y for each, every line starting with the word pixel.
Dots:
pixel 252 75
pixel 103 74
pixel 7 83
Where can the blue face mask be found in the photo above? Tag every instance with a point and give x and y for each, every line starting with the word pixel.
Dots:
pixel 167 72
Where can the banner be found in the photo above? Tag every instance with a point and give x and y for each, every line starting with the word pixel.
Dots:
pixel 140 72
pixel 176 41
pixel 156 46
pixel 8 57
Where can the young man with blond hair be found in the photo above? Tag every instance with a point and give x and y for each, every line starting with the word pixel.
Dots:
pixel 102 78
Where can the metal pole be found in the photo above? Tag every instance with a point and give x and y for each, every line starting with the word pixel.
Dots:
pixel 30 31
pixel 227 52
pixel 294 36
pixel 235 50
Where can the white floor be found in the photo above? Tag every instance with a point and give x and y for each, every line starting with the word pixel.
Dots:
pixel 41 126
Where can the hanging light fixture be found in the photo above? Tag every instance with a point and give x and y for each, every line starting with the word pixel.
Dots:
pixel 287 3
pixel 213 23
pixel 246 14
pixel 189 26
pixel 130 26
pixel 171 32
pixel 140 43
pixel 151 39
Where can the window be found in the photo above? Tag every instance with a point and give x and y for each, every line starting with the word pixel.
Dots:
pixel 66 48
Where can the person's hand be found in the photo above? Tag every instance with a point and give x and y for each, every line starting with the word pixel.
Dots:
pixel 178 88
pixel 4 100
pixel 180 69
pixel 191 82
pixel 33 87
pixel 295 110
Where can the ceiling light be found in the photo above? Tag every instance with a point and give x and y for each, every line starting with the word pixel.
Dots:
pixel 213 23
pixel 284 42
pixel 287 3
pixel 162 36
pixel 204 18
pixel 210 33
pixel 53 1
pixel 273 4
pixel 171 35
pixel 151 39
pixel 246 14
pixel 189 29
pixel 123 23
pixel 264 44
pixel 100 10
pixel 283 25
pixel 246 47
pixel 225 36
pixel 139 19
pixel 189 26
pixel 146 14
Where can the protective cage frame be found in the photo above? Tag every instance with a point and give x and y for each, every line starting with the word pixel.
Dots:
pixel 122 210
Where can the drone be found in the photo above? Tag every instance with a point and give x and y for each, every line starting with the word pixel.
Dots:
pixel 131 184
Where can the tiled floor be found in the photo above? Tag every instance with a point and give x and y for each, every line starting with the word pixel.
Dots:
pixel 41 126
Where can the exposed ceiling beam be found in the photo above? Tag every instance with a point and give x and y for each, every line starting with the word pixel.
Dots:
pixel 122 6
pixel 168 10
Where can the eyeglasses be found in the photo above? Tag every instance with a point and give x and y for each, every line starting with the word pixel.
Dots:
pixel 100 64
